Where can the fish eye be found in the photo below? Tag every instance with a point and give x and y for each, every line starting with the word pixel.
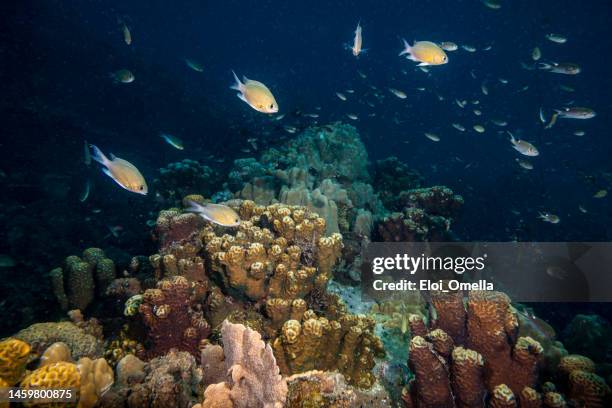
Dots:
pixel 271 106
pixel 141 188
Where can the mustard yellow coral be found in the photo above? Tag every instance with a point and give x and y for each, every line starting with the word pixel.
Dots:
pixel 278 251
pixel 91 378
pixel 13 359
pixel 347 344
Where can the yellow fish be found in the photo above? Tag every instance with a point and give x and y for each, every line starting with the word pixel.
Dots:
pixel 255 94
pixel 122 171
pixel 215 213
pixel 424 52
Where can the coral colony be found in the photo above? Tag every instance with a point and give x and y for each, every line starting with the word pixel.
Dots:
pixel 246 316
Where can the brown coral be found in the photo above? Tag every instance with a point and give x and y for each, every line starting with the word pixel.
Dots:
pixel 174 316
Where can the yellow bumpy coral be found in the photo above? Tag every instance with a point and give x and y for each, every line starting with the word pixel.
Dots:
pixel 278 251
pixel 90 378
pixel 13 359
pixel 316 343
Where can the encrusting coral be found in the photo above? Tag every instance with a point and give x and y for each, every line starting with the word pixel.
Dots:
pixel 252 378
pixel 77 283
pixel 174 316
pixel 82 344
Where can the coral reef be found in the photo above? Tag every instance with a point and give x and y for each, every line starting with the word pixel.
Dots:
pixel 82 344
pixel 56 369
pixel 467 351
pixel 80 280
pixel 278 251
pixel 329 390
pixel 427 215
pixel 391 178
pixel 253 378
pixel 347 344
pixel 179 179
pixel 174 316
pixel 171 380
pixel 589 335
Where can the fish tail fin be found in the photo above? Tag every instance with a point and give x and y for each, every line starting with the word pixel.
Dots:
pixel 98 156
pixel 544 66
pixel 406 49
pixel 238 85
pixel 512 139
pixel 193 207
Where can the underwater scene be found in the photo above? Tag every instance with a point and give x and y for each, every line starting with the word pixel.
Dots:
pixel 267 204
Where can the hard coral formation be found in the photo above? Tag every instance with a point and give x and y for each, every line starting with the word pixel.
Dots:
pixel 77 283
pixel 426 215
pixel 323 169
pixel 278 251
pixel 326 389
pixel 90 378
pixel 347 344
pixel 482 354
pixel 81 344
pixel 171 380
pixel 391 177
pixel 252 376
pixel 14 355
pixel 174 316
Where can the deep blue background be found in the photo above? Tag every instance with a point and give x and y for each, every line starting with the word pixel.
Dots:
pixel 59 54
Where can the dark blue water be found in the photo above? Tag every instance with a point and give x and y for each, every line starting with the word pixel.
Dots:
pixel 56 57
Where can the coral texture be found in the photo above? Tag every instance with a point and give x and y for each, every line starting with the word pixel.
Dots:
pixel 174 316
pixel 278 251
pixel 77 283
pixel 14 355
pixel 253 378
pixel 487 355
pixel 316 343
pixel 81 344
pixel 426 215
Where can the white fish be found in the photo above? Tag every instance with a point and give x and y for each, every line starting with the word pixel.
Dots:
pixel 458 127
pixel 352 116
pixel 433 137
pixel 523 147
pixel 556 38
pixel 357 42
pixel 398 93
pixel 341 96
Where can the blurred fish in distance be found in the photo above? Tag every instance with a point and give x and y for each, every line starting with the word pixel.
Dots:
pixel 173 141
